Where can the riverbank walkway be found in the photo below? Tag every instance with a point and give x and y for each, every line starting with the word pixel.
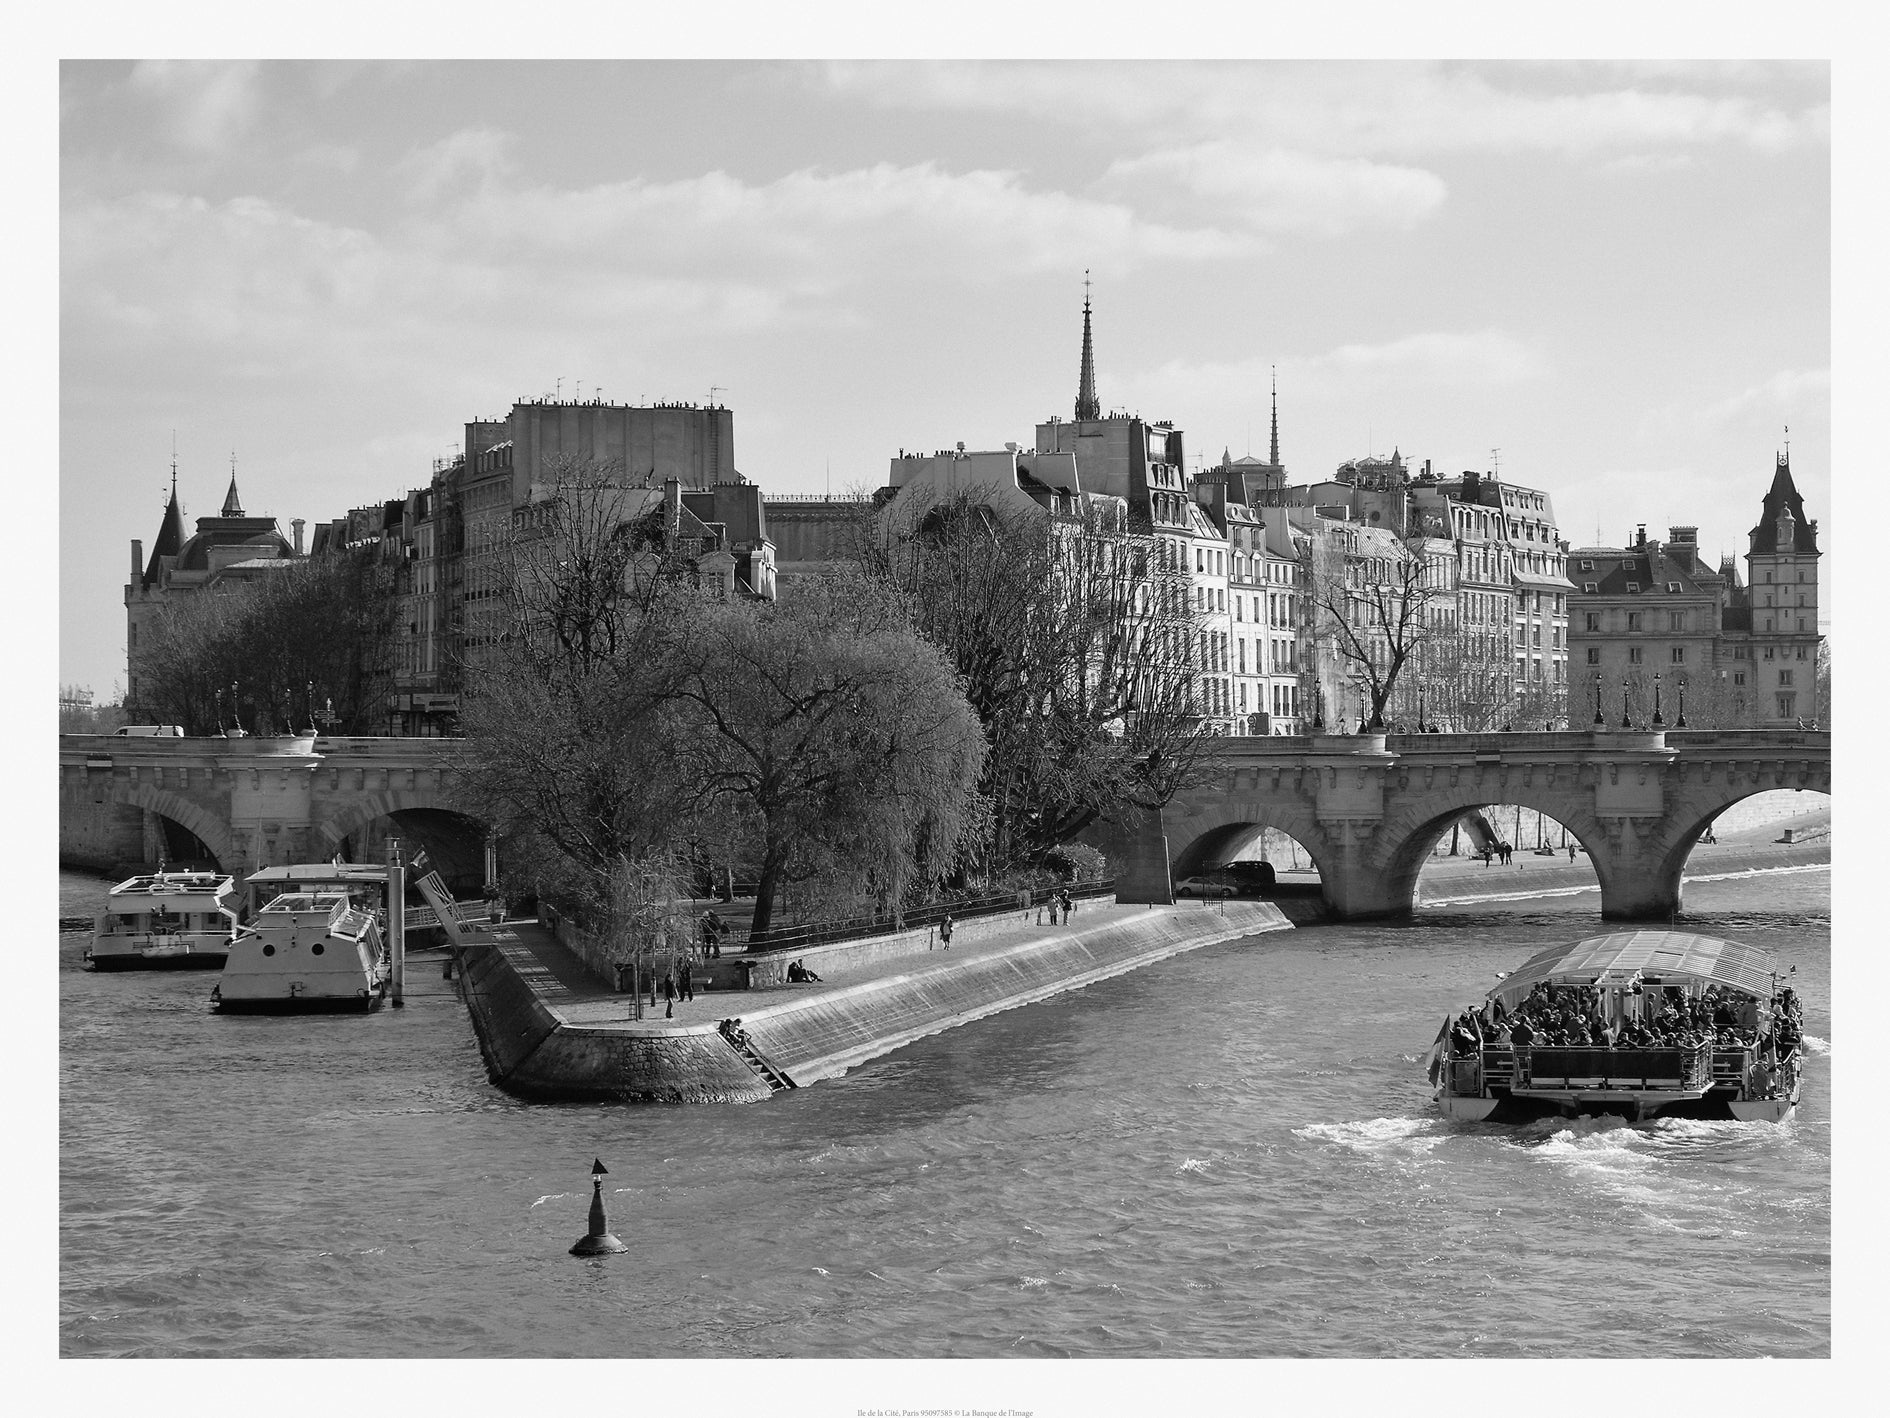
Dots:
pixel 564 984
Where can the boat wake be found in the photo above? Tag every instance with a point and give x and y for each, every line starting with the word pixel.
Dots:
pixel 1380 1136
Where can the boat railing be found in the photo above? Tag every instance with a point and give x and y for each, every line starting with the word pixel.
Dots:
pixel 1587 1066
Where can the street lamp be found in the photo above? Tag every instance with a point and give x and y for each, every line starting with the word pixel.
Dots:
pixel 1626 722
pixel 1658 721
pixel 1361 707
pixel 1318 707
pixel 1681 723
pixel 1420 707
pixel 1599 724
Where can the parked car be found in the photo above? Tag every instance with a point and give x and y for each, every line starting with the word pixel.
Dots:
pixel 149 731
pixel 1204 886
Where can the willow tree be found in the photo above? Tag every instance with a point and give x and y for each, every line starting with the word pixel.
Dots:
pixel 839 733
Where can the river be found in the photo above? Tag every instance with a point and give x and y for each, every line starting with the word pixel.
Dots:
pixel 1231 1153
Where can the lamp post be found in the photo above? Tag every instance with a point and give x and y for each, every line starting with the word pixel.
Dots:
pixel 1599 724
pixel 1626 722
pixel 1658 721
pixel 1361 707
pixel 1420 707
pixel 1318 708
pixel 1681 722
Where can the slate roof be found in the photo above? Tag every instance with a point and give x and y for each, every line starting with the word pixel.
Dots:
pixel 1783 494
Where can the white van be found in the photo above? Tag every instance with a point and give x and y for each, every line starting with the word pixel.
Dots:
pixel 149 731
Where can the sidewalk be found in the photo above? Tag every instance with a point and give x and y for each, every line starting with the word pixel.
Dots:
pixel 563 983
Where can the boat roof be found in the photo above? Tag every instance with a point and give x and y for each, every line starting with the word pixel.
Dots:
pixel 318 874
pixel 1662 954
pixel 142 892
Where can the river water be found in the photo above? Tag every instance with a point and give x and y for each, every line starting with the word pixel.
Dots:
pixel 1231 1153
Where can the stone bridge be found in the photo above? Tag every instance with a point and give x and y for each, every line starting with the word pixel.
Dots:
pixel 1369 808
pixel 258 801
pixel 1366 808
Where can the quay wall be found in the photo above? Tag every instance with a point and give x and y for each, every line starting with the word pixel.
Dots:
pixel 825 1034
pixel 534 1051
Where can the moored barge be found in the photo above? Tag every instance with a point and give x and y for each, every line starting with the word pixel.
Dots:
pixel 168 920
pixel 1639 1023
pixel 313 944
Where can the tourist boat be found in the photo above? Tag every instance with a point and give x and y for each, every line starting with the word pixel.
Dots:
pixel 1745 1063
pixel 312 942
pixel 169 920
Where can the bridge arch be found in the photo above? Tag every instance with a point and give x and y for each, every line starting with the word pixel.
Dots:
pixel 1408 836
pixel 209 828
pixel 455 840
pixel 1207 834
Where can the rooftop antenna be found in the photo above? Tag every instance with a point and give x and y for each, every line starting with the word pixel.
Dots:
pixel 174 462
pixel 557 388
pixel 580 391
pixel 830 480
pixel 1788 443
pixel 1496 464
pixel 715 389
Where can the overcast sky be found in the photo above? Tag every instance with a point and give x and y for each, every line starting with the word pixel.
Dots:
pixel 1617 274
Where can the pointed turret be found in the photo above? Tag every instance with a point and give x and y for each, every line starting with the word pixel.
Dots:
pixel 170 537
pixel 232 504
pixel 1086 405
pixel 1783 497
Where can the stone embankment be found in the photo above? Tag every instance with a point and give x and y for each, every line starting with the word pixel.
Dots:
pixel 549 1030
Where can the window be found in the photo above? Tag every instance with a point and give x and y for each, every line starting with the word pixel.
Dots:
pixel 1591 620
pixel 1739 679
pixel 1633 620
pixel 1590 587
pixel 1634 655
pixel 1679 655
pixel 1784 676
pixel 1768 652
pixel 1673 588
pixel 1785 705
pixel 1768 578
pixel 1801 652
pixel 1676 620
pixel 1594 655
pixel 1633 586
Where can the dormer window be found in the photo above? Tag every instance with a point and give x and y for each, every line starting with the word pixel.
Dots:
pixel 1673 588
pixel 1590 587
pixel 1587 565
pixel 1633 586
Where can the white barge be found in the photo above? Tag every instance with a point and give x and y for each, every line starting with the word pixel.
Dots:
pixel 312 943
pixel 1639 1023
pixel 169 920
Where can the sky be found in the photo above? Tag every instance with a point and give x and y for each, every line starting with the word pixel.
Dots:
pixel 1608 280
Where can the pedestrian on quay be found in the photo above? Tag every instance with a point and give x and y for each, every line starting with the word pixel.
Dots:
pixel 669 995
pixel 945 931
pixel 686 985
pixel 1571 851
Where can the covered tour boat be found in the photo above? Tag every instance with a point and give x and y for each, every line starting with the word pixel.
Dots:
pixel 1640 1023
pixel 169 920
pixel 313 942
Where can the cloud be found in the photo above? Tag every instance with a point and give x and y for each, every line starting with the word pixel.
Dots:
pixel 206 105
pixel 1354 109
pixel 475 156
pixel 882 218
pixel 1782 397
pixel 1277 190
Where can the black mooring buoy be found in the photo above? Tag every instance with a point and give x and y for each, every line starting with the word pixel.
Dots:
pixel 598 1241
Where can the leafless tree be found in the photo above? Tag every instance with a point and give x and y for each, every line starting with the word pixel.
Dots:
pixel 1075 641
pixel 1372 603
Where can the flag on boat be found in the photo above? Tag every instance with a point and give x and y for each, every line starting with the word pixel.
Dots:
pixel 1434 1065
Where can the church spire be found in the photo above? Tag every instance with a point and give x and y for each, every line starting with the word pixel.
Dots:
pixel 232 504
pixel 1273 457
pixel 1086 405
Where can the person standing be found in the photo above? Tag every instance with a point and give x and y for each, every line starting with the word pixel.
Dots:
pixel 669 995
pixel 945 931
pixel 685 984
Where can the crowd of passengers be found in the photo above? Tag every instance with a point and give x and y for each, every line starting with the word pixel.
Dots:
pixel 1571 1016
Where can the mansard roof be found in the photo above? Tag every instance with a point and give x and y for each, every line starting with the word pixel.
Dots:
pixel 1639 571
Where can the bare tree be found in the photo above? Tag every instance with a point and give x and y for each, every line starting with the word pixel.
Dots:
pixel 1372 604
pixel 267 654
pixel 1075 640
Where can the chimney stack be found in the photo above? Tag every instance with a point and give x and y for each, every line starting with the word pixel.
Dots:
pixel 137 558
pixel 296 524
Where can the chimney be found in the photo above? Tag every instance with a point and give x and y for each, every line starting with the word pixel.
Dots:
pixel 296 525
pixel 672 503
pixel 1640 536
pixel 137 558
pixel 1683 536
